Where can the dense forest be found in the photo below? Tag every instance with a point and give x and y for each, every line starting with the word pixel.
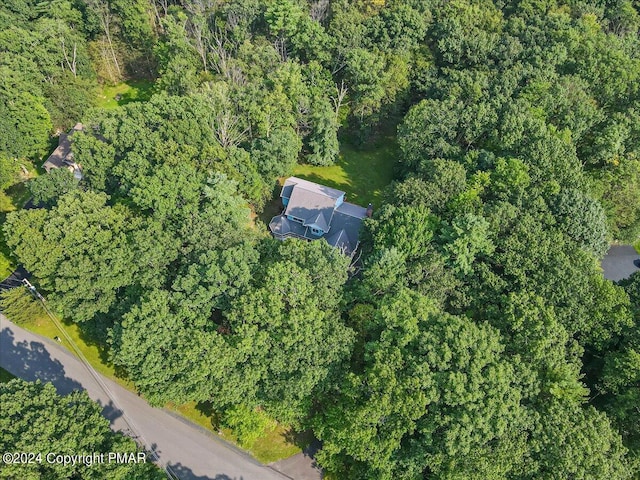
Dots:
pixel 472 337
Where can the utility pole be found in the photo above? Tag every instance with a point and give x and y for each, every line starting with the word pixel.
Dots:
pixel 33 290
pixel 136 435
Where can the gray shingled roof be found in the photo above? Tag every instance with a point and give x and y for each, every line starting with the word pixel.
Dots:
pixel 281 225
pixel 287 189
pixel 345 229
pixel 309 186
pixel 310 206
pixel 62 155
pixel 340 239
pixel 352 210
pixel 315 204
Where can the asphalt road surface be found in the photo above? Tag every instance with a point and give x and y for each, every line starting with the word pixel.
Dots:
pixel 620 262
pixel 191 452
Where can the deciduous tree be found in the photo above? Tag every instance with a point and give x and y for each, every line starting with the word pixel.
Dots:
pixel 80 251
pixel 36 419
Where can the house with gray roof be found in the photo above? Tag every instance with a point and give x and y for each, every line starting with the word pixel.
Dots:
pixel 313 211
pixel 62 156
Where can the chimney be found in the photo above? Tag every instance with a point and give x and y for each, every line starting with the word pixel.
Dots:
pixel 369 210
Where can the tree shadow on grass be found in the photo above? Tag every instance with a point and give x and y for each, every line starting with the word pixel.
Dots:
pixel 93 334
pixel 206 408
pixel 303 440
pixel 140 91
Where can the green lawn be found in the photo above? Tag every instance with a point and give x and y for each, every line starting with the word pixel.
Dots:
pixel 130 91
pixel 362 173
pixel 274 446
pixel 5 376
pixel 280 443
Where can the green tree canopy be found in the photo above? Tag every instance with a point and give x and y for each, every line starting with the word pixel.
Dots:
pixel 46 189
pixel 432 390
pixel 36 419
pixel 287 327
pixel 80 251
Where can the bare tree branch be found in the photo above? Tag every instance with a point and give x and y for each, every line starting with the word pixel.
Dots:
pixel 338 100
pixel 70 64
pixel 101 7
pixel 319 10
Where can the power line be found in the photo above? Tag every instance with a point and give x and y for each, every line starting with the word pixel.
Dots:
pixel 11 282
pixel 96 376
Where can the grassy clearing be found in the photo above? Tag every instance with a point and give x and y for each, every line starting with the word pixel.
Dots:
pixel 5 376
pixel 275 445
pixel 362 173
pixel 196 414
pixel 637 245
pixel 278 444
pixel 114 96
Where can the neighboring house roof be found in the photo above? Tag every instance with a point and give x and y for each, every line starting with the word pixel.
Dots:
pixel 62 156
pixel 315 205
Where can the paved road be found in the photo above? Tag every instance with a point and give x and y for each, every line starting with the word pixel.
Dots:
pixel 301 466
pixel 191 452
pixel 620 262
